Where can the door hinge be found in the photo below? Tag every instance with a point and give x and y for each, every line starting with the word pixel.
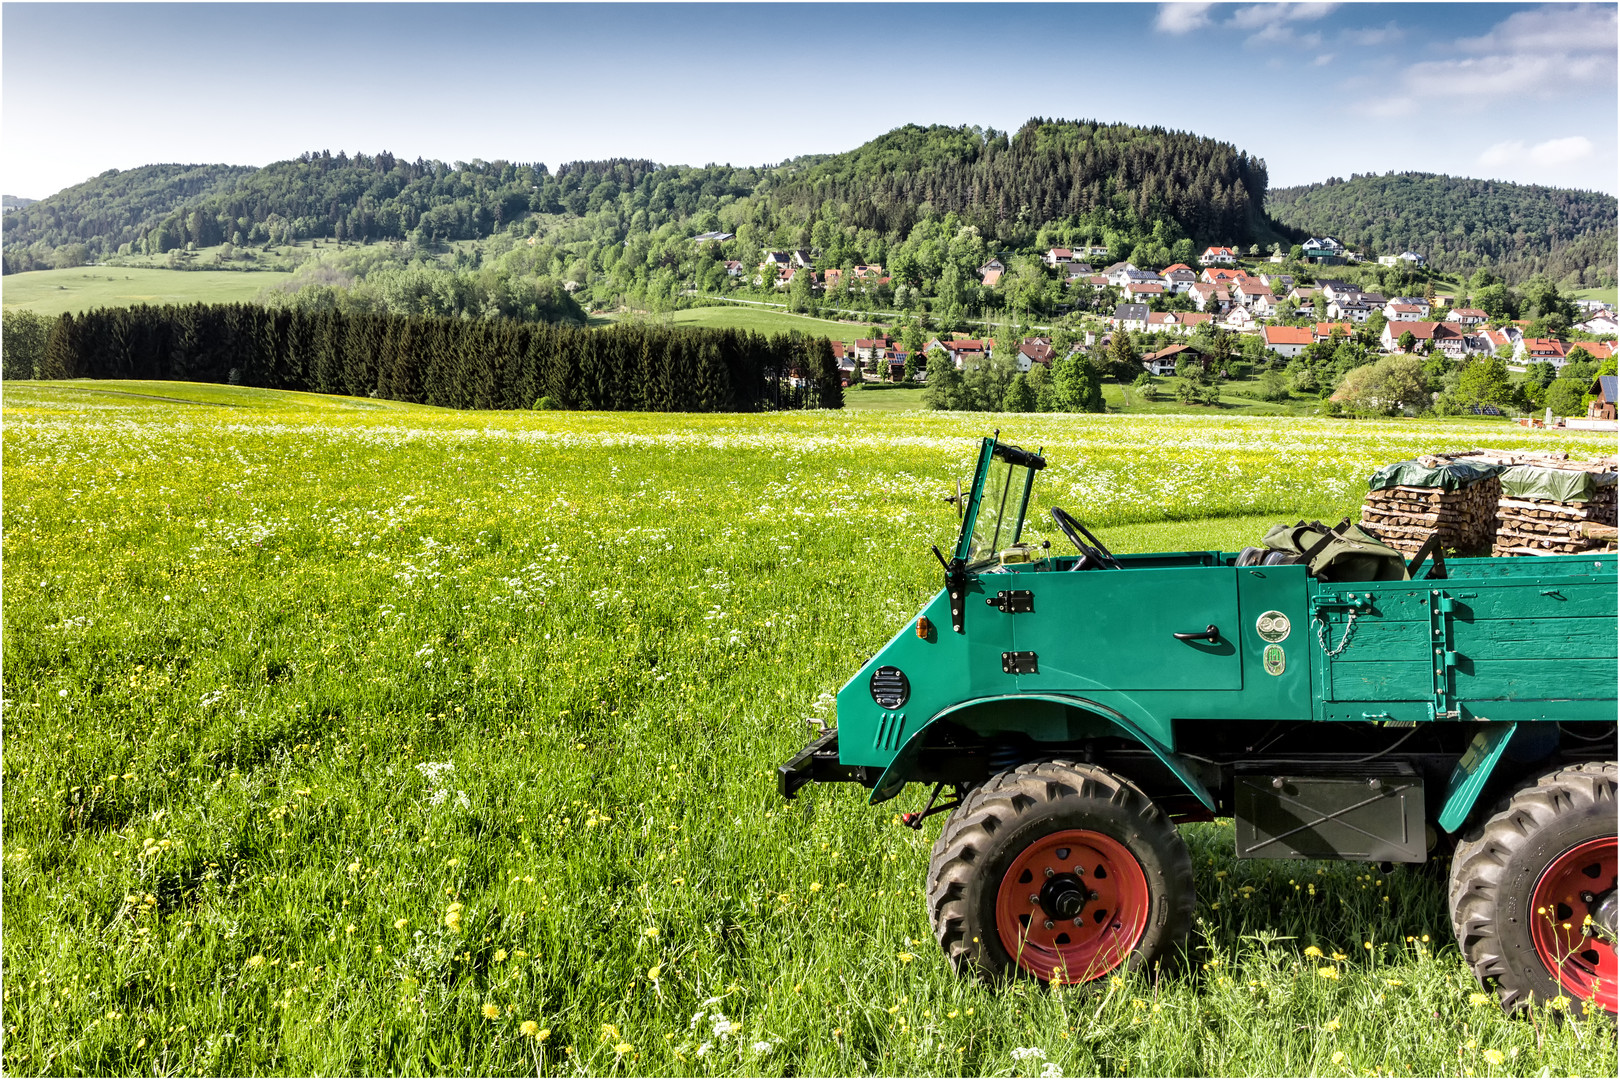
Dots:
pixel 1012 601
pixel 1019 663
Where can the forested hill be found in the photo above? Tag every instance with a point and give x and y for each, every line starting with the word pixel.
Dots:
pixel 1049 171
pixel 116 207
pixel 1516 230
pixel 1128 181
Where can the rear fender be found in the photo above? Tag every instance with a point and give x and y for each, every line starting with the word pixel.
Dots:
pixel 989 715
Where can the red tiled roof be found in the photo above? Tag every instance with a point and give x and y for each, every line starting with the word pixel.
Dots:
pixel 1288 335
pixel 1469 312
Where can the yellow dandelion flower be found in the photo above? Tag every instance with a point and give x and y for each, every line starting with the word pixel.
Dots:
pixel 1333 1024
pixel 1479 999
pixel 1328 972
pixel 610 1032
pixel 1558 1004
pixel 1340 956
pixel 351 928
pixel 141 1045
pixel 1338 1057
pixel 400 924
pixel 906 958
pixel 491 1010
pixel 255 961
pixel 622 1048
pixel 500 954
pixel 1494 1056
pixel 354 867
pixel 651 931
pixel 529 1029
pixel 1312 950
pixel 545 1033
pixel 655 971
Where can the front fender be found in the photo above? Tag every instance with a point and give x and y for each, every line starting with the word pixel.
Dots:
pixel 898 773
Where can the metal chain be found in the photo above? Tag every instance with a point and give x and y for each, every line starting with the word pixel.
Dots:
pixel 1344 642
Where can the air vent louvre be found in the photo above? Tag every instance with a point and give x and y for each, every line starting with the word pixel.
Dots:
pixel 890 687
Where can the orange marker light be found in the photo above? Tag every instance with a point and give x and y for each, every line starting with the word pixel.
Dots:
pixel 924 627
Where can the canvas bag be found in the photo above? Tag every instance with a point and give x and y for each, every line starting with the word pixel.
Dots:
pixel 1344 553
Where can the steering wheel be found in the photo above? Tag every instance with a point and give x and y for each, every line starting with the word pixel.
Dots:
pixel 1092 554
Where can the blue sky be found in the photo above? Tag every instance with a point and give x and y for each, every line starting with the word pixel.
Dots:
pixel 1520 92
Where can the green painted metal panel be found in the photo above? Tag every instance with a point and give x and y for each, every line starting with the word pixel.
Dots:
pixel 1473 770
pixel 985 717
pixel 1114 629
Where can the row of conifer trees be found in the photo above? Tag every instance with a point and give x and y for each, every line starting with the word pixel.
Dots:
pixel 498 364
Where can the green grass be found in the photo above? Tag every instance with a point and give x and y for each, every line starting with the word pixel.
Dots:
pixel 1606 293
pixel 332 724
pixel 52 292
pixel 765 321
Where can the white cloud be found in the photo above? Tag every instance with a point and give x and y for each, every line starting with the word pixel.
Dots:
pixel 1554 28
pixel 1378 35
pixel 1181 18
pixel 1268 15
pixel 1323 60
pixel 1481 79
pixel 1553 152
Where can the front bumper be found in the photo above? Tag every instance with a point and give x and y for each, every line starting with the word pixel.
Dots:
pixel 818 762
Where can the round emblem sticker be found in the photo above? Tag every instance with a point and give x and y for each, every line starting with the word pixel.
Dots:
pixel 1273 626
pixel 1274 660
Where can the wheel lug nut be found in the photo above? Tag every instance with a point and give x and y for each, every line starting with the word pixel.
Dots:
pixel 1092 896
pixel 1077 922
pixel 1048 871
pixel 1034 899
pixel 1049 924
pixel 1587 897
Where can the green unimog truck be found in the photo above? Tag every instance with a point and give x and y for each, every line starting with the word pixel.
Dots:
pixel 1069 710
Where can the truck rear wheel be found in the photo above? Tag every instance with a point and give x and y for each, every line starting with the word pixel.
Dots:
pixel 1533 890
pixel 1061 871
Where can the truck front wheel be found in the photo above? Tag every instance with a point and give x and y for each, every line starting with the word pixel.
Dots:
pixel 1533 890
pixel 1062 871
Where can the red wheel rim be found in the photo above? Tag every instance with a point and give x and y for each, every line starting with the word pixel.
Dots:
pixel 1584 962
pixel 1044 878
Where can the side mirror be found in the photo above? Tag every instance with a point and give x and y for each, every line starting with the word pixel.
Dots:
pixel 961 506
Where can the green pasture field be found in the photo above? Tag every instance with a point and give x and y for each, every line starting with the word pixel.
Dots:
pixel 350 737
pixel 764 320
pixel 52 292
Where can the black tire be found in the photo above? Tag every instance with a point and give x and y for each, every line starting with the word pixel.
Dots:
pixel 1501 860
pixel 1003 820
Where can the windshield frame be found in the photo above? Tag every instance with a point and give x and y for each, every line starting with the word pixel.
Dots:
pixel 977 547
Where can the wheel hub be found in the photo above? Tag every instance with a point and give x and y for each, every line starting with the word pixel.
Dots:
pixel 1064 896
pixel 1603 913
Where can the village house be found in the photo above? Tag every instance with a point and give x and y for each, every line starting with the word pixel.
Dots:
pixel 1603 322
pixel 1541 350
pixel 712 237
pixel 1035 350
pixel 1178 278
pixel 1056 255
pixel 1165 360
pixel 1412 301
pixel 1212 256
pixel 1164 321
pixel 1119 274
pixel 1095 251
pixel 993 264
pixel 1249 292
pixel 1278 283
pixel 1323 249
pixel 1448 338
pixel 962 350
pixel 1097 282
pixel 1305 296
pixel 1131 317
pixel 734 268
pixel 1211 298
pixel 1288 341
pixel 1141 291
pixel 1324 331
pixel 1403 312
pixel 1356 306
pixel 1074 271
pixel 1493 340
pixel 1222 276
pixel 873 348
pixel 1266 306
pixel 1333 290
pixel 1239 319
pixel 1410 258
pixel 990 278
pixel 1468 316
pixel 1191 320
pixel 830 278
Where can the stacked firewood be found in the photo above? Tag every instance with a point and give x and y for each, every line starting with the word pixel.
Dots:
pixel 1529 525
pixel 1406 517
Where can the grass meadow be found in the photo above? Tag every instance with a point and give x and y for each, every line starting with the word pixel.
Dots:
pixel 52 292
pixel 764 320
pixel 353 737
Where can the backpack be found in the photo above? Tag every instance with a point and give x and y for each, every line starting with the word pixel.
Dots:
pixel 1343 553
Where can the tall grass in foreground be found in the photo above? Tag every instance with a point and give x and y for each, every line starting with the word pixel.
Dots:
pixel 354 739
